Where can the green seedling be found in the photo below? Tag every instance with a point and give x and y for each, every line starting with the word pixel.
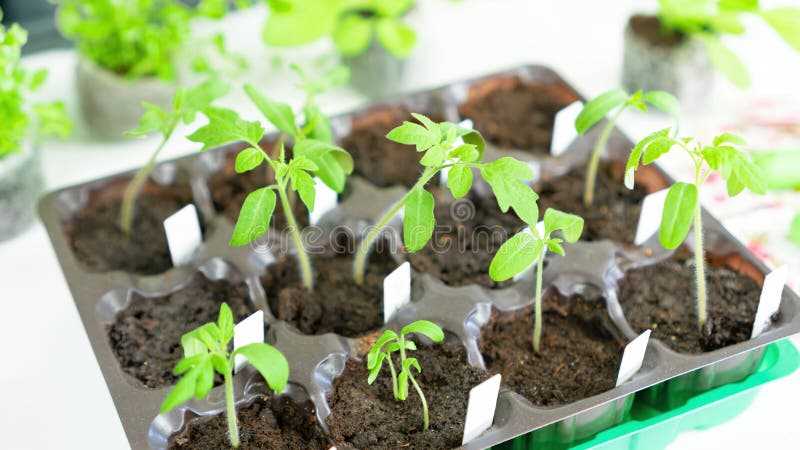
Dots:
pixel 312 157
pixel 18 117
pixel 708 20
pixel 528 247
pixel 447 145
pixel 616 100
pixel 207 350
pixel 682 207
pixel 185 106
pixel 353 25
pixel 390 342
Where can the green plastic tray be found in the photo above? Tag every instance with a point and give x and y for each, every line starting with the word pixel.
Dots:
pixel 652 429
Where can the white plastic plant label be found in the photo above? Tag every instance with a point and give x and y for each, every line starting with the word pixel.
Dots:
pixel 183 234
pixel 480 408
pixel 466 123
pixel 633 357
pixel 396 290
pixel 540 229
pixel 248 331
pixel 770 300
pixel 564 132
pixel 325 199
pixel 650 216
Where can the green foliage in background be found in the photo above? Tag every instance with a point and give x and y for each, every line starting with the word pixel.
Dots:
pixel 709 19
pixel 17 115
pixel 353 24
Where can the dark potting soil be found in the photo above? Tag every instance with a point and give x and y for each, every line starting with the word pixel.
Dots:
pixel 615 211
pixel 650 28
pixel 274 423
pixel 336 304
pixel 468 233
pixel 229 189
pixel 381 161
pixel 100 244
pixel 579 356
pixel 661 297
pixel 146 336
pixel 368 417
pixel 518 115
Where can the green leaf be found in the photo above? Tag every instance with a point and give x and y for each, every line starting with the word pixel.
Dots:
pixel 375 370
pixel 636 155
pixel 465 153
pixel 198 98
pixel 187 363
pixel 663 101
pixel 427 122
pixel 554 245
pixel 52 119
pixel 387 336
pixel 277 113
pixel 225 126
pixel 303 184
pixel 434 156
pixel 402 385
pixel 459 180
pixel 248 159
pixel 225 323
pixel 794 230
pixel 728 138
pixel 570 225
pixel 269 362
pixel 506 177
pixel 726 61
pixel 598 108
pixel 254 217
pixel 396 37
pixel 205 378
pixel 154 119
pixel 786 22
pixel 182 392
pixel 656 148
pixel 418 219
pixel 678 214
pixel 515 255
pixel 303 22
pixel 352 35
pixel 425 328
pixel 333 163
pixel 320 125
pixel 410 363
pixel 192 346
pixel 410 133
pixel 395 346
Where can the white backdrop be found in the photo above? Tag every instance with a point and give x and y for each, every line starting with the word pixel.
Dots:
pixel 53 395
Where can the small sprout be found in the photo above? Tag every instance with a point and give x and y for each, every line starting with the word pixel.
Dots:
pixel 391 342
pixel 312 157
pixel 528 247
pixel 185 106
pixel 447 145
pixel 205 351
pixel 598 108
pixel 682 205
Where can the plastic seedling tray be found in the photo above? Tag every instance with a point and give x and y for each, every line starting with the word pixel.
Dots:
pixel 316 360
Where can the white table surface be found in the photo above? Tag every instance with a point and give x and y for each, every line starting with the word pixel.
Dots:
pixel 51 387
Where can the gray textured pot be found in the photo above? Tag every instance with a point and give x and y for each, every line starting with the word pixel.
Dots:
pixel 21 182
pixel 376 73
pixel 682 69
pixel 111 104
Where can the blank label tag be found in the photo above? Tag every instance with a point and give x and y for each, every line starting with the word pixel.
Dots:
pixel 633 357
pixel 540 229
pixel 396 290
pixel 248 331
pixel 770 300
pixel 325 199
pixel 183 234
pixel 466 123
pixel 650 216
pixel 564 132
pixel 480 408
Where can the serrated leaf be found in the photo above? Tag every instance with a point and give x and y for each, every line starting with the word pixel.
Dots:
pixel 225 323
pixel 570 225
pixel 396 37
pixel 182 392
pixel 269 362
pixel 465 153
pixel 225 126
pixel 506 177
pixel 333 163
pixel 418 219
pixel 352 35
pixel 277 113
pixel 663 101
pixel 434 156
pixel 459 180
pixel 514 256
pixel 410 133
pixel 248 159
pixel 678 214
pixel 303 184
pixel 656 148
pixel 254 217
pixel 597 109
pixel 425 328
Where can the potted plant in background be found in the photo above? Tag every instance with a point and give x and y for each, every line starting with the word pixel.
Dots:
pixel 370 35
pixel 676 49
pixel 22 122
